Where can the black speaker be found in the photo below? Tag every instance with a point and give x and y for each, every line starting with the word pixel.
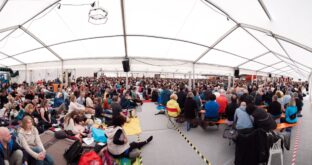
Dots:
pixel 236 73
pixel 270 75
pixel 126 65
pixel 95 74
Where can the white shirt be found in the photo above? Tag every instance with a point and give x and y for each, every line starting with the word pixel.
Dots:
pixel 75 106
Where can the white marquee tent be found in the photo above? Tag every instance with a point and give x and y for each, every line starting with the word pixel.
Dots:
pixel 167 36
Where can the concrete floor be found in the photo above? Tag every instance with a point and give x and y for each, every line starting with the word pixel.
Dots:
pixel 169 147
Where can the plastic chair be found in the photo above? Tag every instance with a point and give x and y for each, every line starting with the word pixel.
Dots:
pixel 276 149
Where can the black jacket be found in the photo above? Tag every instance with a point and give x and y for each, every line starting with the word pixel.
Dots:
pixel 181 99
pixel 12 146
pixel 263 120
pixel 230 111
pixel 190 107
pixel 275 108
pixel 252 148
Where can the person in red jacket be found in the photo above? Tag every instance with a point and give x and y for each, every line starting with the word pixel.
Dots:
pixel 222 101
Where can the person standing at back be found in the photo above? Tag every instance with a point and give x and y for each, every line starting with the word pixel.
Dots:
pixel 181 98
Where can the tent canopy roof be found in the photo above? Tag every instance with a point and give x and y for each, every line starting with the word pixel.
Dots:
pixel 257 35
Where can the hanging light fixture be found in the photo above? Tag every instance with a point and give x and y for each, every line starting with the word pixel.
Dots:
pixel 97 15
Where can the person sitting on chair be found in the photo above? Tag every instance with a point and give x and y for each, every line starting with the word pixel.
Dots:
pixel 173 107
pixel 290 113
pixel 211 109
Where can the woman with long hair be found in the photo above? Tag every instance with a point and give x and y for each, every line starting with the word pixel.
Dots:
pixel 31 142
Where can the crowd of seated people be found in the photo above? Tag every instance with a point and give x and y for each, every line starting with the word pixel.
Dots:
pixel 36 108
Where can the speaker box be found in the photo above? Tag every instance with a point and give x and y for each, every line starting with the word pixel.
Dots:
pixel 270 75
pixel 126 65
pixel 95 74
pixel 236 73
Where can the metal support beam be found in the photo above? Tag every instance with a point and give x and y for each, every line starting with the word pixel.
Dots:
pixel 8 34
pixel 3 4
pixel 26 68
pixel 124 27
pixel 266 11
pixel 41 42
pixel 127 83
pixel 193 72
pixel 286 52
pixel 217 42
pixel 269 66
pixel 13 58
pixel 252 59
pixel 46 8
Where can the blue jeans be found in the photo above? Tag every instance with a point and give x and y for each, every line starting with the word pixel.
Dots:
pixel 47 160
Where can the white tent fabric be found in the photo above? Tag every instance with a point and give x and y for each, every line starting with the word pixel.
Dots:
pixel 168 36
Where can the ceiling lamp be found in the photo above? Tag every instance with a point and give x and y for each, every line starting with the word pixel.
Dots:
pixel 97 15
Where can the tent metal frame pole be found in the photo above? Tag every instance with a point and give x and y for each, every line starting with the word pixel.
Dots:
pixel 310 87
pixel 252 59
pixel 3 4
pixel 302 65
pixel 41 42
pixel 285 51
pixel 26 72
pixel 13 58
pixel 8 34
pixel 217 42
pixel 269 66
pixel 46 8
pixel 244 25
pixel 127 83
pixel 193 72
pixel 266 11
pixel 124 27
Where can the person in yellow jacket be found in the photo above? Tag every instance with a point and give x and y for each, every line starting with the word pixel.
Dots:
pixel 173 107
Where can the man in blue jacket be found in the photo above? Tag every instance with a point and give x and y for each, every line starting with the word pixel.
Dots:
pixel 10 151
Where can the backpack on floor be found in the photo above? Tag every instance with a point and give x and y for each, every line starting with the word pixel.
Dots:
pixel 90 158
pixel 73 153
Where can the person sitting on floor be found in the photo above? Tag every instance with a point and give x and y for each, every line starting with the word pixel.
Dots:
pixel 118 143
pixel 173 107
pixel 10 151
pixel 45 116
pixel 31 142
pixel 72 125
pixel 290 113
